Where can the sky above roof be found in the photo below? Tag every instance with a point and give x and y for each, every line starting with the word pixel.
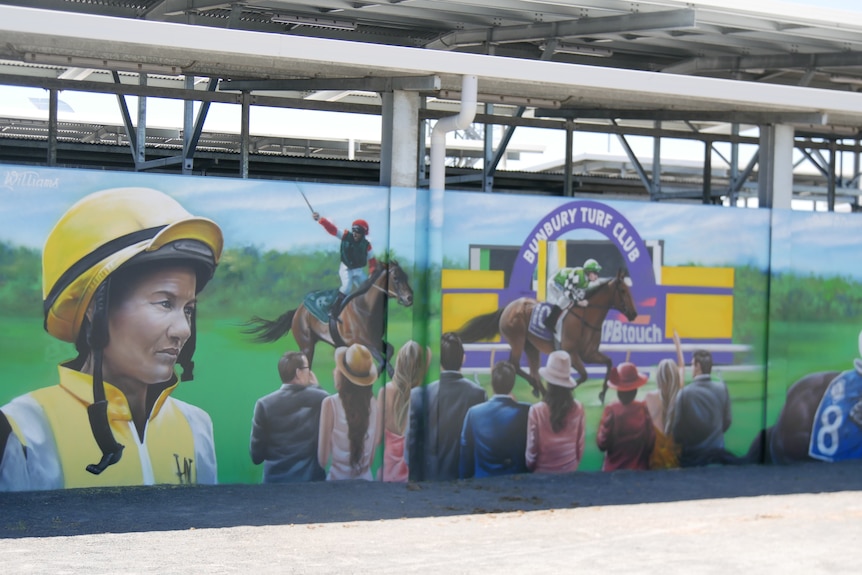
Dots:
pixel 849 5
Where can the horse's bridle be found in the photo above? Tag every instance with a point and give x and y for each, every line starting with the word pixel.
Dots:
pixel 388 291
pixel 624 310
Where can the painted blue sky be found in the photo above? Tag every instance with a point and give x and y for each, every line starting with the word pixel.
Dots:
pixel 264 214
pixel 847 5
pixel 693 234
pixel 819 243
pixel 273 215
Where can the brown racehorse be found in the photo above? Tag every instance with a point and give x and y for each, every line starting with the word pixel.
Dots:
pixel 787 441
pixel 581 330
pixel 361 319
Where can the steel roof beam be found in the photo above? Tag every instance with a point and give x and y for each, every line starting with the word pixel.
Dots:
pixel 218 52
pixel 101 9
pixel 667 19
pixel 376 84
pixel 182 94
pixel 733 63
pixel 688 115
pixel 180 7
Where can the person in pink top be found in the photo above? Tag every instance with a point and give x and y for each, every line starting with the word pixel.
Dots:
pixel 626 433
pixel 410 369
pixel 555 425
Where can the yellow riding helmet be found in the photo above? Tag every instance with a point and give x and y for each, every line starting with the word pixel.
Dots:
pixel 100 233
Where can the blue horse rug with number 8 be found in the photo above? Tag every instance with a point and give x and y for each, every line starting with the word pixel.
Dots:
pixel 834 436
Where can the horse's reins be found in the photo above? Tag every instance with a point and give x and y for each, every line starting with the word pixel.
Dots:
pixel 585 322
pixel 605 307
pixel 387 291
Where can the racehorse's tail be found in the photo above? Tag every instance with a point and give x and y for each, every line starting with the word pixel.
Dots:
pixel 481 327
pixel 265 330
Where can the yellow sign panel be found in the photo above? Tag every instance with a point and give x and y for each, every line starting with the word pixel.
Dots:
pixel 699 316
pixel 542 264
pixel 459 308
pixel 697 277
pixel 473 279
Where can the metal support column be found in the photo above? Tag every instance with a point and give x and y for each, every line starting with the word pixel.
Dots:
pixel 422 135
pixel 53 101
pixel 487 168
pixel 734 166
pixel 707 172
pixel 856 180
pixel 655 189
pixel 387 123
pixel 188 158
pixel 568 191
pixel 403 162
pixel 141 135
pixel 830 182
pixel 244 134
pixel 775 185
pixel 188 127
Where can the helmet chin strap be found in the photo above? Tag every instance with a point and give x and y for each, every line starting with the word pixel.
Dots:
pixel 186 353
pixel 98 410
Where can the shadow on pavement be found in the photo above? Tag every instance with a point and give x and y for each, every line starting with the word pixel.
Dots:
pixel 163 508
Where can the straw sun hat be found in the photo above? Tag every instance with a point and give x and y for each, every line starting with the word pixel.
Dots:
pixel 356 364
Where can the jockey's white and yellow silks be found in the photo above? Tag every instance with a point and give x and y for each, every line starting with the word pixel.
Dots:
pixel 52 442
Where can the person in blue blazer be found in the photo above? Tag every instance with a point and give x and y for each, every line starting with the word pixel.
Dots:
pixel 494 436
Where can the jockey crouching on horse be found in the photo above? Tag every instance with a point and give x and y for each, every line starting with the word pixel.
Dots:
pixel 568 286
pixel 355 254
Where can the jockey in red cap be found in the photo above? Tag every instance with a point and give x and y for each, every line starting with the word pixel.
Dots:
pixel 355 254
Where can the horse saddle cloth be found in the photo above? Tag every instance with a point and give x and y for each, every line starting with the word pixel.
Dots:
pixel 834 435
pixel 537 323
pixel 319 303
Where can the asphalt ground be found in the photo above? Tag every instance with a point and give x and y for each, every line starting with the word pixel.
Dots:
pixel 804 518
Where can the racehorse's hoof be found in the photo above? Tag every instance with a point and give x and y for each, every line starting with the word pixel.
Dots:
pixel 602 396
pixel 536 392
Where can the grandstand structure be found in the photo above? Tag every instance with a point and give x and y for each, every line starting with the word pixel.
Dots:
pixel 765 95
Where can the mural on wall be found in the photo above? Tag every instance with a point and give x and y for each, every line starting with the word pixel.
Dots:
pixel 815 344
pixel 635 296
pixel 167 329
pixel 166 384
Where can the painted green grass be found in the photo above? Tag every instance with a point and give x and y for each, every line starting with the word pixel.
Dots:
pixel 799 348
pixel 232 372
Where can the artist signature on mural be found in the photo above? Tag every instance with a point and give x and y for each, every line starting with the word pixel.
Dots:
pixel 184 469
pixel 16 179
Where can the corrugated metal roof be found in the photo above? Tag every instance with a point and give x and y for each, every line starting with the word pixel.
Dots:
pixel 761 43
pixel 758 41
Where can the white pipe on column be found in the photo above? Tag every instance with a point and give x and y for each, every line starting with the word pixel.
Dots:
pixel 435 199
pixel 469 89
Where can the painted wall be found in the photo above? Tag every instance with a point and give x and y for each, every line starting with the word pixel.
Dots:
pixel 772 295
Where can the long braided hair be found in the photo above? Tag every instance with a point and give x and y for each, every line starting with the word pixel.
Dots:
pixel 356 400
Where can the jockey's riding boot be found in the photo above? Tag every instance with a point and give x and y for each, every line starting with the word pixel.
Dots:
pixel 551 319
pixel 336 306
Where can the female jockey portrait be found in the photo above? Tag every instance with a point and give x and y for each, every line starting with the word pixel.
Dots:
pixel 121 272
